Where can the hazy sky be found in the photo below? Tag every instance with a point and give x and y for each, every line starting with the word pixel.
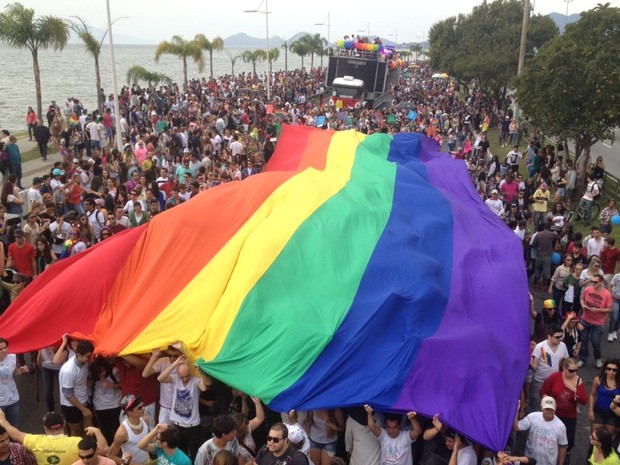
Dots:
pixel 410 20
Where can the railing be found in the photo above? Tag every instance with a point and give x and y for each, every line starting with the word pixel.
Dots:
pixel 611 186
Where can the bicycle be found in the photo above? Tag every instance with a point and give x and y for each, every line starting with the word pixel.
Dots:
pixel 579 212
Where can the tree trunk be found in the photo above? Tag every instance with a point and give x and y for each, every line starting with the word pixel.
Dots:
pixel 302 61
pixel 211 63
pixel 254 68
pixel 37 82
pixel 185 72
pixel 98 82
pixel 311 61
pixel 286 60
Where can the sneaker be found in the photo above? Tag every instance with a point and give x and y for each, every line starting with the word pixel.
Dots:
pixel 610 337
pixel 615 335
pixel 599 363
pixel 579 363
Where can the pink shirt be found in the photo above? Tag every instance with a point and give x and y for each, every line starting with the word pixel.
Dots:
pixel 595 299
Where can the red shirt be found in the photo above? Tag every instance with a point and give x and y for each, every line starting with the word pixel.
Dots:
pixel 22 258
pixel 566 400
pixel 609 258
pixel 134 383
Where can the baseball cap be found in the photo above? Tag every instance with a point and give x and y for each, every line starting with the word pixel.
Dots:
pixel 53 420
pixel 494 191
pixel 58 172
pixel 547 402
pixel 549 303
pixel 296 435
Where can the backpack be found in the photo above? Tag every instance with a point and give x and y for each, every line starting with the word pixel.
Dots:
pixel 596 195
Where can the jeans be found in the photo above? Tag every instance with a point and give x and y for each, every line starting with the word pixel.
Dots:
pixel 50 379
pixel 542 266
pixel 594 333
pixel 615 313
pixel 189 442
pixel 12 413
pixel 43 150
pixel 587 204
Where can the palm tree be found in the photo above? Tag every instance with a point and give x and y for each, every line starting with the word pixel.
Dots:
pixel 252 56
pixel 183 49
pixel 138 73
pixel 416 48
pixel 274 54
pixel 19 29
pixel 210 45
pixel 316 45
pixel 300 47
pixel 233 59
pixel 93 46
pixel 285 46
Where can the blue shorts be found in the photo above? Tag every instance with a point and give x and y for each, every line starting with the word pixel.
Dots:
pixel 330 447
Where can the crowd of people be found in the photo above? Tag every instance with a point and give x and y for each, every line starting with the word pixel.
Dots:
pixel 178 142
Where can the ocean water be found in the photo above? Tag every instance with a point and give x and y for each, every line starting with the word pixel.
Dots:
pixel 71 73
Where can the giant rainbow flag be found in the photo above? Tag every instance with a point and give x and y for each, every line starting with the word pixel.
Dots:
pixel 354 270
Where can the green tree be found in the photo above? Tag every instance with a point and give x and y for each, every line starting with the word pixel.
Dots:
pixel 417 49
pixel 571 88
pixel 285 46
pixel 301 48
pixel 20 29
pixel 233 59
pixel 217 44
pixel 274 54
pixel 484 44
pixel 183 49
pixel 253 56
pixel 138 73
pixel 93 46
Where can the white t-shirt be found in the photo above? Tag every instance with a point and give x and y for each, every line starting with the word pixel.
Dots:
pixel 74 377
pixel 107 398
pixel 495 205
pixel 548 360
pixel 467 456
pixel 185 402
pixel 8 389
pixel 544 439
pixel 395 451
pixel 207 451
pixel 166 390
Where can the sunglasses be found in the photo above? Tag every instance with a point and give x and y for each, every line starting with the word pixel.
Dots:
pixel 89 456
pixel 274 440
pixel 613 370
pixel 571 370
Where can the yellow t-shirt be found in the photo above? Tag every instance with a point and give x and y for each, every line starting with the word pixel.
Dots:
pixel 541 205
pixel 53 450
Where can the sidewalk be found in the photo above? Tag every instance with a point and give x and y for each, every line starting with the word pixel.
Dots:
pixel 36 167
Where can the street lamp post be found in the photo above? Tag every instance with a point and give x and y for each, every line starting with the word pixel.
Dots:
pixel 326 22
pixel 566 16
pixel 266 13
pixel 117 108
pixel 395 35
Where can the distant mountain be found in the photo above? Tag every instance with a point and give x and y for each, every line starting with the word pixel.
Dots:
pixel 243 40
pixel 560 19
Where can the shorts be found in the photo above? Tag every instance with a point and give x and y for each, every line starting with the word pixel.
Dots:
pixel 605 417
pixel 72 414
pixel 330 447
